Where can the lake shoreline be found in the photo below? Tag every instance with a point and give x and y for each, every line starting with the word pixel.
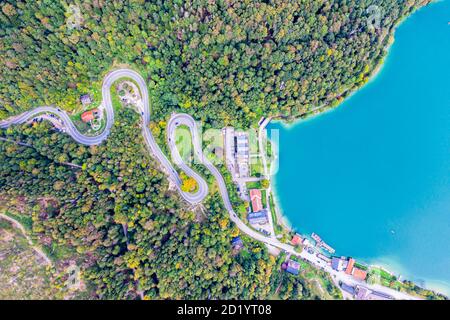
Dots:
pixel 290 123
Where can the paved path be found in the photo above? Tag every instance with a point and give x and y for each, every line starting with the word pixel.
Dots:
pixel 193 198
pixel 262 136
pixel 107 104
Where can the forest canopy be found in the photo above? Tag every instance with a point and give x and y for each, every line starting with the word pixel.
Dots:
pixel 133 236
pixel 224 61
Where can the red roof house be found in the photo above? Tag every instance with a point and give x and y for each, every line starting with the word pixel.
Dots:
pixel 296 240
pixel 89 115
pixel 349 269
pixel 255 197
pixel 359 274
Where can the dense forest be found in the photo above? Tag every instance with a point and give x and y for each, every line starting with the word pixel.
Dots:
pixel 133 236
pixel 225 61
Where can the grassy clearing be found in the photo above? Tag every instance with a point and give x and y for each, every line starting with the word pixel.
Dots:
pixel 253 141
pixel 256 167
pixel 380 276
pixel 254 185
pixel 116 103
pixel 361 266
pixel 264 198
pixel 269 149
pixel 183 141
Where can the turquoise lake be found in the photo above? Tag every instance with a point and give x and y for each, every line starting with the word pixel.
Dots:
pixel 372 177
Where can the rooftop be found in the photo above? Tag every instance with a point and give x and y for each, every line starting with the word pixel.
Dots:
pixel 257 217
pixel 296 239
pixel 89 115
pixel 237 242
pixel 335 263
pixel 255 198
pixel 359 274
pixel 349 269
pixel 86 99
pixel 258 214
pixel 293 267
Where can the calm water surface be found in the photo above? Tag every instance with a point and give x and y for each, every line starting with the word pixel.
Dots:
pixel 373 176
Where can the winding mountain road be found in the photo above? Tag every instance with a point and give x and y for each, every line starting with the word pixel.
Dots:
pixel 193 198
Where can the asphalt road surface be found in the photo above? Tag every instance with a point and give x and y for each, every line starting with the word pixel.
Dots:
pixel 202 191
